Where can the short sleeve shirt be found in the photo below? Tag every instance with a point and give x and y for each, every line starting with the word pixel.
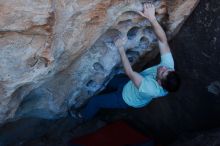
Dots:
pixel 149 88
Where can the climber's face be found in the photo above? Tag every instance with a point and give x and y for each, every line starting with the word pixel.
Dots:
pixel 162 72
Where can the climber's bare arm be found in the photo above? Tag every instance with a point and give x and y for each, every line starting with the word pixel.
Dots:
pixel 134 76
pixel 149 13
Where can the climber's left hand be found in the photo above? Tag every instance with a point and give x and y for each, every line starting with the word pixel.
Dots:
pixel 120 43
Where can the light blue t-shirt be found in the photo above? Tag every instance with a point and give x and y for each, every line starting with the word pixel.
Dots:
pixel 149 87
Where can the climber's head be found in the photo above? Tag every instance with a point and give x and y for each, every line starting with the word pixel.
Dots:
pixel 168 79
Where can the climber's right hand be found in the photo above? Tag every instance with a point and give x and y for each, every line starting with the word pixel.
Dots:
pixel 149 11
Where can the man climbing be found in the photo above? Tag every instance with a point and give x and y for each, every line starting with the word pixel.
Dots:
pixel 140 88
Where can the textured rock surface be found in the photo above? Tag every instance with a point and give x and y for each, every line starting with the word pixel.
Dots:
pixel 55 53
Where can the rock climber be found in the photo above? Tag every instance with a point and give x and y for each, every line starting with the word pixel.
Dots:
pixel 139 89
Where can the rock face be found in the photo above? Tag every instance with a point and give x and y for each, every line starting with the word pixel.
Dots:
pixel 56 53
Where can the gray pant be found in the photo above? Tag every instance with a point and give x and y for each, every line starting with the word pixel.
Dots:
pixel 109 100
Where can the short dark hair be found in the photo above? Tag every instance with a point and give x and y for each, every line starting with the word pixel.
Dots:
pixel 172 82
